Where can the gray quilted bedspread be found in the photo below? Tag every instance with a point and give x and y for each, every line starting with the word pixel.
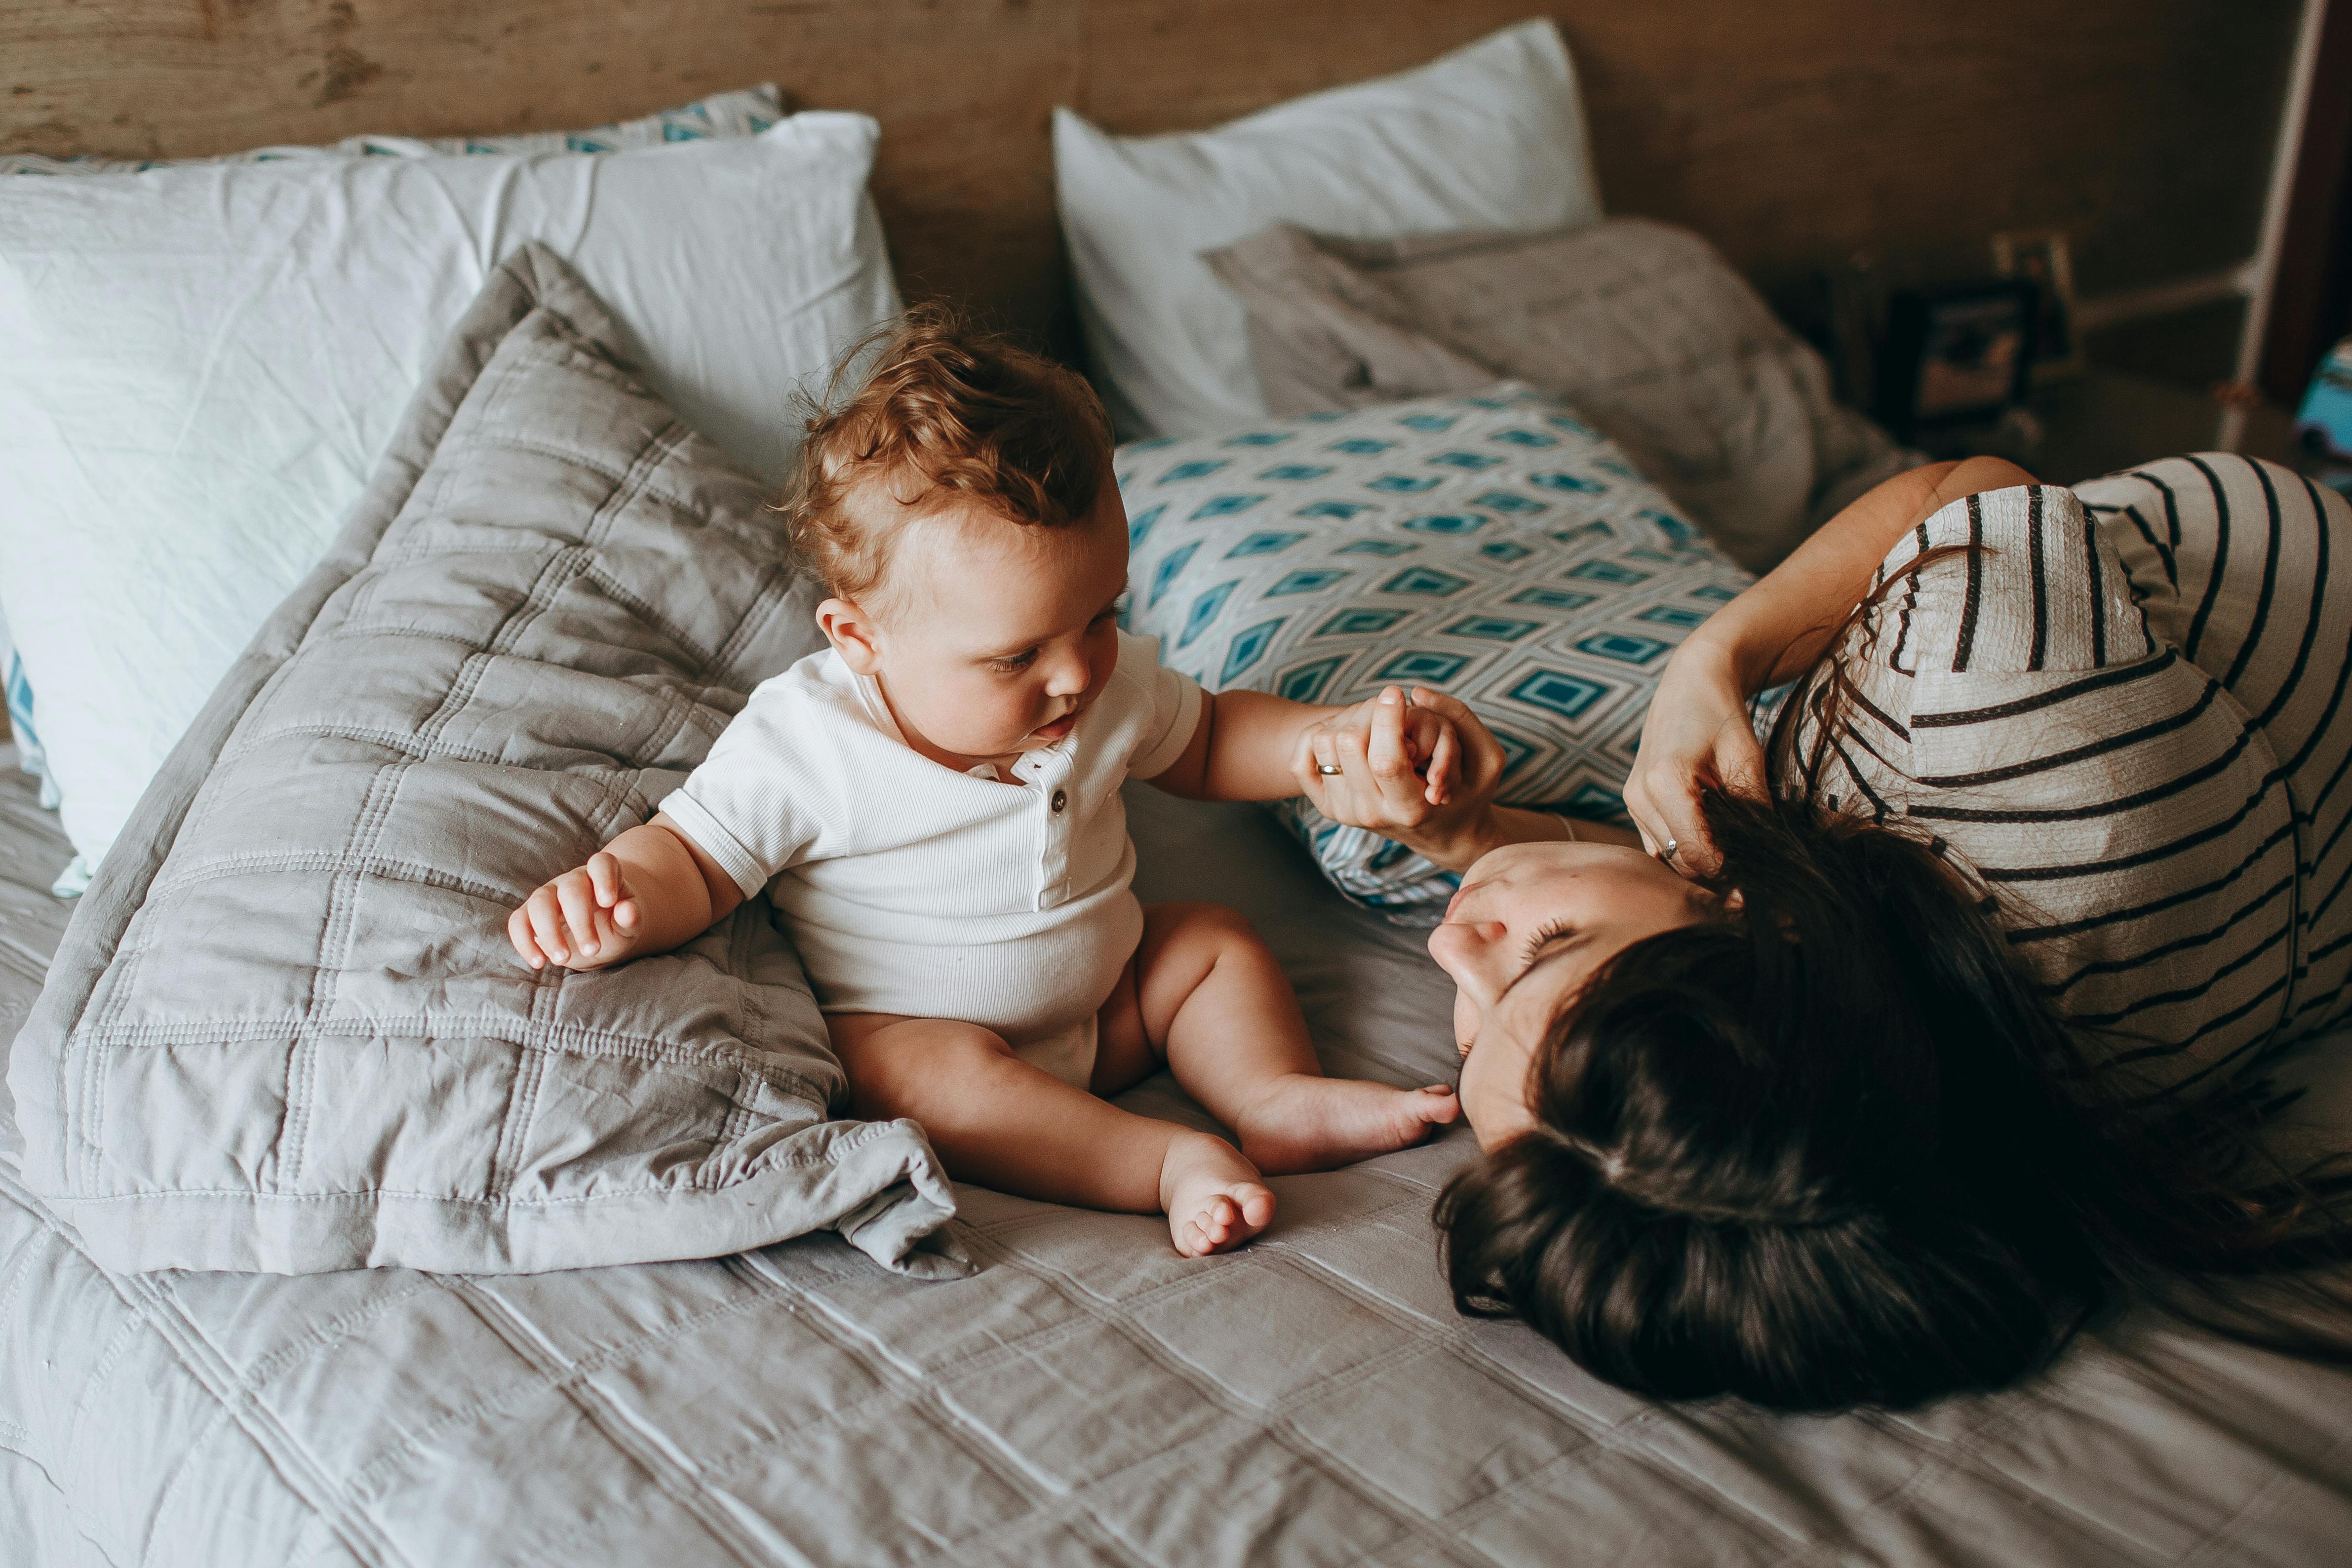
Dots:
pixel 1087 1398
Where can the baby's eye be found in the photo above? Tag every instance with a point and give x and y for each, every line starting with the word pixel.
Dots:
pixel 1015 664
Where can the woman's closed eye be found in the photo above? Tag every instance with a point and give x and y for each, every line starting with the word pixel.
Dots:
pixel 1548 932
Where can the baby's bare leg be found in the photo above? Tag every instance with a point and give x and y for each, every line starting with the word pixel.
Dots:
pixel 1216 1006
pixel 1000 1121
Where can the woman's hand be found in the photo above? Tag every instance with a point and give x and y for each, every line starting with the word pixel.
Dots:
pixel 1697 738
pixel 1437 809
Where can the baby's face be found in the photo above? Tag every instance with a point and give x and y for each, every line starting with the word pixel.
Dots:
pixel 992 638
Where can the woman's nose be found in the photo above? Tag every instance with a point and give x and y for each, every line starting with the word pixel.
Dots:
pixel 1471 952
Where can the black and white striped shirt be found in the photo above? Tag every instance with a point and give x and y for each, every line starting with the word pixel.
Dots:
pixel 2123 708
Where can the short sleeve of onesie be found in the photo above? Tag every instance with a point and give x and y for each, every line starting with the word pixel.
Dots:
pixel 739 807
pixel 1171 704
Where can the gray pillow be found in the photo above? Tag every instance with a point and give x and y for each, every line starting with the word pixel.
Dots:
pixel 286 1032
pixel 1642 327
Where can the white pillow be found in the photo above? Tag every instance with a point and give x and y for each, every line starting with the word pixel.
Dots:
pixel 1488 137
pixel 204 362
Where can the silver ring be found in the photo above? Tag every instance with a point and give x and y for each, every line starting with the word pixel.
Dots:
pixel 1668 852
pixel 1326 769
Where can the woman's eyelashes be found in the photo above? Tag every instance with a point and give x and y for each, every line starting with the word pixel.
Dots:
pixel 1543 934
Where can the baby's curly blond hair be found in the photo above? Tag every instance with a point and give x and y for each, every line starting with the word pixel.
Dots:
pixel 942 413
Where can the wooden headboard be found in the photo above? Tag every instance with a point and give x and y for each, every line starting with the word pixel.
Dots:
pixel 1789 133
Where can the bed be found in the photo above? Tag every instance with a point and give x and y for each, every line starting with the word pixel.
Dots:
pixel 1086 1396
pixel 1082 1394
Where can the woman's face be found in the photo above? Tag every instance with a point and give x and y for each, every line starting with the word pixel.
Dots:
pixel 1529 926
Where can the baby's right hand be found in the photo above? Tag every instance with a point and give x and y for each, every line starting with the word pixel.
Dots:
pixel 585 919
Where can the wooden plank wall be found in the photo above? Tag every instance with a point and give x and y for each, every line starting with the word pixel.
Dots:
pixel 1789 133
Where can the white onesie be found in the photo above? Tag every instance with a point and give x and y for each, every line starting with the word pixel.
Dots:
pixel 910 887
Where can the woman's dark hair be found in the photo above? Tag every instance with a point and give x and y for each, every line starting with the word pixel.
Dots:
pixel 1835 1148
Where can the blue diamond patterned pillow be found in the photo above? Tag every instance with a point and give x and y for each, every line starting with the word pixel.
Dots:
pixel 1492 546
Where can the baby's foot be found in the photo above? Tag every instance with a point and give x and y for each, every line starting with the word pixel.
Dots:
pixel 1310 1123
pixel 1214 1198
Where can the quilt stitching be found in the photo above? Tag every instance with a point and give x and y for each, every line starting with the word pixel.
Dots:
pixel 144 1299
pixel 897 1384
pixel 562 1544
pixel 1607 1437
pixel 2128 1369
pixel 616 590
pixel 671 1472
pixel 342 894
pixel 577 1039
pixel 2218 1539
pixel 367 1480
pixel 381 867
pixel 559 571
pixel 776 580
pixel 662 445
pixel 1272 1428
pixel 320 1334
pixel 216 1422
pixel 1601 1439
pixel 916 1385
pixel 126 1334
pixel 522 1087
pixel 835 1151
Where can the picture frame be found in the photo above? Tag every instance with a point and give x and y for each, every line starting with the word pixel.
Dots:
pixel 1957 355
pixel 2041 258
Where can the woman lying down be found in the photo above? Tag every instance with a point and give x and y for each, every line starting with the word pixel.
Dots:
pixel 1769 1103
pixel 1870 1065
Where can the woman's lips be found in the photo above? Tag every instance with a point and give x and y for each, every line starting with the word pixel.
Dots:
pixel 1460 893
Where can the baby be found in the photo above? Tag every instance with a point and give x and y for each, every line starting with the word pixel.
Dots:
pixel 932 804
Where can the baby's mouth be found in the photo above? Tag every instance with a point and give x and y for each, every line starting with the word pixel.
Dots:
pixel 1057 729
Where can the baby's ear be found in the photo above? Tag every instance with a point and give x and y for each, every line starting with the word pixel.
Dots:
pixel 851 631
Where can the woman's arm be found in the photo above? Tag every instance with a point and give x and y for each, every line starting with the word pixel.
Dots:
pixel 1775 630
pixel 1698 736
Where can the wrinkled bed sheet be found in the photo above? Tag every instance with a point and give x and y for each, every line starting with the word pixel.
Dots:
pixel 1088 1397
pixel 33 850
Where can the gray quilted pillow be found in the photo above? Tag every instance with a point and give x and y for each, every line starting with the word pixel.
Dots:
pixel 286 1032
